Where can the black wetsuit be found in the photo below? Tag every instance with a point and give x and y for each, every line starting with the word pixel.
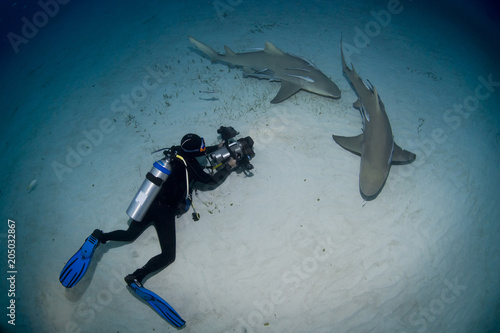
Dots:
pixel 170 202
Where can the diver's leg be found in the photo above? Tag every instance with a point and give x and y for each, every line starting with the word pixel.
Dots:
pixel 134 230
pixel 165 228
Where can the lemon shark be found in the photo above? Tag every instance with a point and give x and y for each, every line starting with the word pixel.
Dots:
pixel 376 144
pixel 294 73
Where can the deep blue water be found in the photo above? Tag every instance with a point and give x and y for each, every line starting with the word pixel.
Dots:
pixel 25 26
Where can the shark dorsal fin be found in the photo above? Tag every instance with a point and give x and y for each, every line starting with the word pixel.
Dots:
pixel 377 97
pixel 375 93
pixel 229 52
pixel 271 49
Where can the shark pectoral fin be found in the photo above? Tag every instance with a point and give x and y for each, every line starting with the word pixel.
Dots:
pixel 401 156
pixel 287 89
pixel 354 143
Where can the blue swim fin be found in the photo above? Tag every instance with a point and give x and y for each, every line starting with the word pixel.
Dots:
pixel 159 304
pixel 79 263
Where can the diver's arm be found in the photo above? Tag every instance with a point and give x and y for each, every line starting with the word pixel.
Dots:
pixel 211 149
pixel 215 179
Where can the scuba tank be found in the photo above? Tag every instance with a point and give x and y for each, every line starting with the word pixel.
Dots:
pixel 149 189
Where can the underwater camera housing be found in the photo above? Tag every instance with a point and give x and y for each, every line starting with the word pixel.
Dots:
pixel 241 150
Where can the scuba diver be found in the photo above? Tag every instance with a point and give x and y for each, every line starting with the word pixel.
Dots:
pixel 166 194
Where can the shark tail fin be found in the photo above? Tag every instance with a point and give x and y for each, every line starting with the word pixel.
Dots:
pixel 214 56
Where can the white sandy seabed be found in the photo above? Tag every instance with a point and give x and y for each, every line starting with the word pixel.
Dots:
pixel 294 248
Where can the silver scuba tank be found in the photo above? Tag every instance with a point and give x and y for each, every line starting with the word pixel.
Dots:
pixel 149 189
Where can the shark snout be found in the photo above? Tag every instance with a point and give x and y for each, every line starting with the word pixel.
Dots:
pixel 371 184
pixel 370 192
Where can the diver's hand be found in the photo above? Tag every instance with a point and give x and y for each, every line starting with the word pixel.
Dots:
pixel 232 163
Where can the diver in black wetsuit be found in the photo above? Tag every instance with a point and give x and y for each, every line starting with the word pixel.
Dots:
pixel 170 202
